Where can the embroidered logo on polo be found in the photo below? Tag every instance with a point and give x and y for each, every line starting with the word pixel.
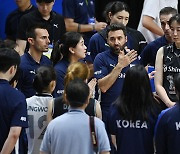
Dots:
pixel 33 72
pixel 23 118
pixel 60 91
pixel 98 72
pixel 55 25
pixel 81 3
pixel 170 58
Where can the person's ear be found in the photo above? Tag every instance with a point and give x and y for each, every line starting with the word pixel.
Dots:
pixel 71 49
pixel 110 15
pixel 52 86
pixel 31 41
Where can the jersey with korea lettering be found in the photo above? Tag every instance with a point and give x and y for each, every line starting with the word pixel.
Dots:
pixel 37 107
pixel 171 66
pixel 132 137
pixel 167 131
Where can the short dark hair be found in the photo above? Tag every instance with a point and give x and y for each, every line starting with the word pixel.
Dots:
pixel 44 75
pixel 45 1
pixel 77 92
pixel 175 18
pixel 30 33
pixel 115 27
pixel 167 11
pixel 8 57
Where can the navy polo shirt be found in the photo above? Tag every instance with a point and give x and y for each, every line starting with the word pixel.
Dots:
pixel 12 22
pixel 13 111
pixel 60 68
pixel 148 55
pixel 98 43
pixel 28 68
pixel 167 132
pixel 80 11
pixel 55 25
pixel 104 63
pixel 132 137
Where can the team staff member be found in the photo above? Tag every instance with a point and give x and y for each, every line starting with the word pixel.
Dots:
pixel 38 39
pixel 70 133
pixel 13 109
pixel 115 12
pixel 148 55
pixel 80 17
pixel 168 65
pixel 43 15
pixel 13 19
pixel 167 134
pixel 111 65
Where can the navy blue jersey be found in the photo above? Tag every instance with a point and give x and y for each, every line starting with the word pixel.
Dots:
pixel 98 43
pixel 148 55
pixel 13 112
pixel 104 63
pixel 132 137
pixel 60 68
pixel 80 11
pixel 28 68
pixel 167 132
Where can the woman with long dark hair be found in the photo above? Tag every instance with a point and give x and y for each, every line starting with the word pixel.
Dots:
pixel 134 114
pixel 71 50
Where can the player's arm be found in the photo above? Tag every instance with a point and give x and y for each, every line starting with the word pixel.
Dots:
pixel 148 23
pixel 73 26
pixel 158 79
pixel 11 140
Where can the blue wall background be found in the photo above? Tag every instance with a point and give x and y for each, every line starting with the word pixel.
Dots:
pixel 7 6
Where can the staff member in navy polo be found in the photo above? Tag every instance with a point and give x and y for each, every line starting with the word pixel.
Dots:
pixel 43 15
pixel 80 17
pixel 13 108
pixel 13 19
pixel 115 12
pixel 167 132
pixel 111 65
pixel 38 39
pixel 148 55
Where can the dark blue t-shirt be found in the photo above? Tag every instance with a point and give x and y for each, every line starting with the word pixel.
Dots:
pixel 167 132
pixel 60 68
pixel 13 112
pixel 132 137
pixel 80 11
pixel 148 55
pixel 28 68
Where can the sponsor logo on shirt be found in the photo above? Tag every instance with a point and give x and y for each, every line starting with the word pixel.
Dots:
pixel 60 91
pixel 171 69
pixel 98 72
pixel 33 72
pixel 23 118
pixel 177 125
pixel 81 3
pixel 122 75
pixel 131 124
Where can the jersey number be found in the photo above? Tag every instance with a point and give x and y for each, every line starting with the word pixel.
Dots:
pixel 40 125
